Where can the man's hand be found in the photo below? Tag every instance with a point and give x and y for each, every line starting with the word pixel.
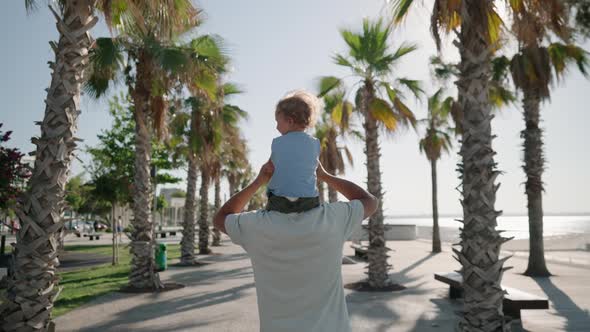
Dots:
pixel 321 172
pixel 350 190
pixel 238 201
pixel 266 172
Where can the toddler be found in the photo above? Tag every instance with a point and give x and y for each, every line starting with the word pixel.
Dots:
pixel 294 154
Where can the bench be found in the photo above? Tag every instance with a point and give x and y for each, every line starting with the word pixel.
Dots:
pixel 91 237
pixel 360 251
pixel 162 234
pixel 167 231
pixel 514 300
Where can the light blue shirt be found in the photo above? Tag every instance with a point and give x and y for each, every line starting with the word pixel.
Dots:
pixel 295 158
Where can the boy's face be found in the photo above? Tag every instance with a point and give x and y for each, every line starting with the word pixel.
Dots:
pixel 284 124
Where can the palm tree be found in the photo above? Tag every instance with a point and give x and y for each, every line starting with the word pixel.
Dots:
pixel 229 117
pixel 532 74
pixel 531 70
pixel 155 66
pixel 371 62
pixel 435 141
pixel 334 123
pixel 236 162
pixel 478 28
pixel 31 293
pixel 183 144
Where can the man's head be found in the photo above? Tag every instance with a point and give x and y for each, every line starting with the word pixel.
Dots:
pixel 297 111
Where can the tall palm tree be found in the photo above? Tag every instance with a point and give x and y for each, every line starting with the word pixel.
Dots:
pixel 334 123
pixel 183 144
pixel 233 166
pixel 531 70
pixel 435 141
pixel 156 66
pixel 34 287
pixel 189 140
pixel 230 115
pixel 372 63
pixel 208 132
pixel 478 28
pixel 532 74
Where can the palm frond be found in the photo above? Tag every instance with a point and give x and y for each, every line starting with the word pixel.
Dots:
pixel 400 9
pixel 383 113
pixel 230 89
pixel 206 82
pixel 562 55
pixel 353 41
pixel 31 5
pixel 406 116
pixel 341 60
pixel 413 85
pixel 327 84
pixel 106 62
pixel 404 49
pixel 349 156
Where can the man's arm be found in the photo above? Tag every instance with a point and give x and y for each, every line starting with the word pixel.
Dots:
pixel 238 201
pixel 350 190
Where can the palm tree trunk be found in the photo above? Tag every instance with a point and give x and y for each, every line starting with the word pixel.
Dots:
pixel 436 247
pixel 32 290
pixel 332 195
pixel 533 167
pixel 187 244
pixel 216 233
pixel 322 191
pixel 480 241
pixel 377 253
pixel 232 182
pixel 204 213
pixel 142 274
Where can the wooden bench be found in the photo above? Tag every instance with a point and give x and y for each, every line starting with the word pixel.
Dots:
pixel 91 237
pixel 360 251
pixel 514 301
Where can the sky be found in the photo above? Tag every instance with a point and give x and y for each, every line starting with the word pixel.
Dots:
pixel 279 46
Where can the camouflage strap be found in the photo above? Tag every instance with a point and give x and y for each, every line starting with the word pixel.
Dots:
pixel 284 205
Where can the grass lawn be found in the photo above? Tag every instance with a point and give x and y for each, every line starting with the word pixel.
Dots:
pixel 83 285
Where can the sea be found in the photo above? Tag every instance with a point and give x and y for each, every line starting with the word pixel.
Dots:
pixel 513 226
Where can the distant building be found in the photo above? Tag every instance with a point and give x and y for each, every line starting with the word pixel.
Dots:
pixel 173 214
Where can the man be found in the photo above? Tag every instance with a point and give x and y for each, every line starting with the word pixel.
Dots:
pixel 297 257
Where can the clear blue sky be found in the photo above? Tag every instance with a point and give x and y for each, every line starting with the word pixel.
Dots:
pixel 279 46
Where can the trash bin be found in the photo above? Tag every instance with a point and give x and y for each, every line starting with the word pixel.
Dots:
pixel 161 257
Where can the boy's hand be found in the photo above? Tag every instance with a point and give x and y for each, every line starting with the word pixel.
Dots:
pixel 266 172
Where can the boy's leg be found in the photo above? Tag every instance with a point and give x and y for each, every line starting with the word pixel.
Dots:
pixel 284 205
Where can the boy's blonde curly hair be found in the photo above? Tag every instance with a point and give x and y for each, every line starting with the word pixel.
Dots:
pixel 301 106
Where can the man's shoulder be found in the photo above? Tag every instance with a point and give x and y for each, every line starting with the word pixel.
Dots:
pixel 341 207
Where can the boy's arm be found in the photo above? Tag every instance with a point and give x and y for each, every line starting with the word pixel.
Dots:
pixel 350 190
pixel 238 201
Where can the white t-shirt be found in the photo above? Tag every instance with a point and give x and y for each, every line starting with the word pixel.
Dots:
pixel 297 259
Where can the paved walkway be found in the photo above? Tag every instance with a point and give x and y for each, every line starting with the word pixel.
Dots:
pixel 221 296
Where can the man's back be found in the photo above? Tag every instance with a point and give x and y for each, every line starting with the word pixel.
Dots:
pixel 297 264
